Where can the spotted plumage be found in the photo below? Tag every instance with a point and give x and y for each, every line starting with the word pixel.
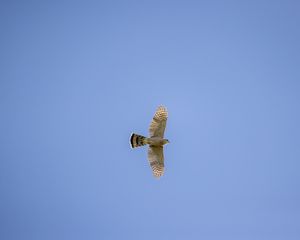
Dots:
pixel 155 141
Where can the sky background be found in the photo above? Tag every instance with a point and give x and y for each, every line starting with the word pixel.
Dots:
pixel 77 77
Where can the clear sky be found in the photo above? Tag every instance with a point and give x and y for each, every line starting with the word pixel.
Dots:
pixel 77 77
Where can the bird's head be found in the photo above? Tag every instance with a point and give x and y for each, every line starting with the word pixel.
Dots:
pixel 166 141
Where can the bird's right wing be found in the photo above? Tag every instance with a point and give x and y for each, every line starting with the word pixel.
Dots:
pixel 159 121
pixel 156 160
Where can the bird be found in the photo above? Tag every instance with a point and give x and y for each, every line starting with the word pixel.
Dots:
pixel 155 141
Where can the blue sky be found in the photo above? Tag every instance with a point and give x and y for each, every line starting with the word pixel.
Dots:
pixel 77 77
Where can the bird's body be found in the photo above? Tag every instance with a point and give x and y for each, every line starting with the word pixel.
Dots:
pixel 155 141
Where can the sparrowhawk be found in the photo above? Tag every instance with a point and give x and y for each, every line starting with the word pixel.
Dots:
pixel 155 141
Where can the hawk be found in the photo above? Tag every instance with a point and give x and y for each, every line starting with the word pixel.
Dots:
pixel 155 141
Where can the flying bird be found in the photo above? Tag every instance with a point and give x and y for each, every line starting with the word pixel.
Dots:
pixel 155 141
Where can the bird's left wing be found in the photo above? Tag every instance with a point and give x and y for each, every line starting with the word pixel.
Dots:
pixel 156 160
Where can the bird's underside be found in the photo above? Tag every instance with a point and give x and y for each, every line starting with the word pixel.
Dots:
pixel 155 141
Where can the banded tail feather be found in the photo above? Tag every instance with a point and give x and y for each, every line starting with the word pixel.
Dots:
pixel 137 140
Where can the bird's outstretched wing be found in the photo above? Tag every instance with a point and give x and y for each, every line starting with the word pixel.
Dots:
pixel 158 124
pixel 156 160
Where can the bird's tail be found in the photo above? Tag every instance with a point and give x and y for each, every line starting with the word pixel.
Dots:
pixel 137 140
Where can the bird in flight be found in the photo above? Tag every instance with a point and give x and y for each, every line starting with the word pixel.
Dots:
pixel 155 141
